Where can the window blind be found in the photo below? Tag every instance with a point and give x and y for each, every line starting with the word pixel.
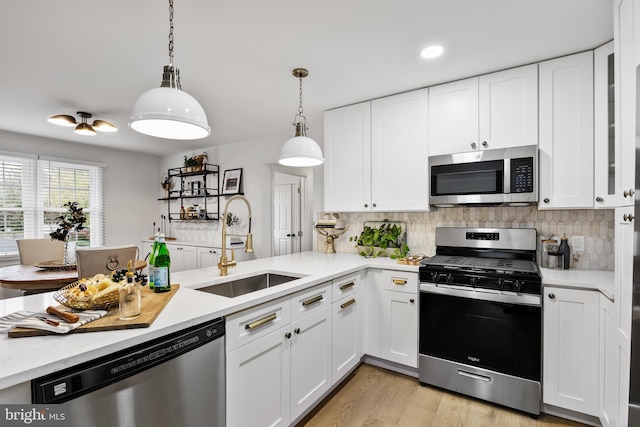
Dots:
pixel 17 201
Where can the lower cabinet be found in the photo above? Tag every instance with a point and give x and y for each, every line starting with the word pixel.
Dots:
pixel 571 349
pixel 609 375
pixel 183 257
pixel 347 340
pixel 206 257
pixel 285 366
pixel 392 316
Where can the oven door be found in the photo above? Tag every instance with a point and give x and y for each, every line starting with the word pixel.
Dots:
pixel 495 331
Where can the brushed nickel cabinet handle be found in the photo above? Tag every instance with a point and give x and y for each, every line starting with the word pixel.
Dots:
pixel 348 303
pixel 552 296
pixel 312 300
pixel 347 286
pixel 399 282
pixel 260 322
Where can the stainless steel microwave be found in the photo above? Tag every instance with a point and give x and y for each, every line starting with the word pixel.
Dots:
pixel 507 176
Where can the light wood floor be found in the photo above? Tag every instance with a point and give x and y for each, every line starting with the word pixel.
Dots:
pixel 377 397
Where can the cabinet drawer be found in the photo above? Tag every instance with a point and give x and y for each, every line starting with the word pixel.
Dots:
pixel 403 281
pixel 248 325
pixel 346 285
pixel 309 301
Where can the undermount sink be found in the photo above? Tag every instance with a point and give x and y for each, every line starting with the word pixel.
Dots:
pixel 237 287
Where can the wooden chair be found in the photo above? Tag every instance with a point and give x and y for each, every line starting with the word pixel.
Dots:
pixel 36 250
pixel 91 261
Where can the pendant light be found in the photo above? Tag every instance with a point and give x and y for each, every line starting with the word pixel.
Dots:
pixel 300 151
pixel 82 128
pixel 167 111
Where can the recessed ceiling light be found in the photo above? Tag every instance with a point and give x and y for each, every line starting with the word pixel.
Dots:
pixel 432 51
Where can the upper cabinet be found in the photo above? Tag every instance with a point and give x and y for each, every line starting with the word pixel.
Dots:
pixel 376 155
pixel 566 132
pixel 496 110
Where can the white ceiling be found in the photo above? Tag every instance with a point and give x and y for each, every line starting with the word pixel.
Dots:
pixel 236 56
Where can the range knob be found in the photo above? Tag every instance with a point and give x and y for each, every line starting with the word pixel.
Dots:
pixel 473 282
pixel 517 286
pixel 500 283
pixel 434 277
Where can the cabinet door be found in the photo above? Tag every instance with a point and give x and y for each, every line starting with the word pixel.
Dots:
pixel 182 257
pixel 608 365
pixel 571 348
pixel 258 382
pixel 347 151
pixel 606 151
pixel 399 342
pixel 566 132
pixel 346 347
pixel 206 257
pixel 453 117
pixel 310 360
pixel 508 108
pixel 399 178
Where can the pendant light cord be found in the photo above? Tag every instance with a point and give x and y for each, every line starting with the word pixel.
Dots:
pixel 171 34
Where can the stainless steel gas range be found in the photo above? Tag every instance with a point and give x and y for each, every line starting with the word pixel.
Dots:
pixel 481 316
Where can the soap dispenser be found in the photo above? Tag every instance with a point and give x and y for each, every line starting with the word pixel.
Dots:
pixel 565 251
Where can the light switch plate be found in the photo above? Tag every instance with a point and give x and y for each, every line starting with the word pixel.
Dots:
pixel 577 243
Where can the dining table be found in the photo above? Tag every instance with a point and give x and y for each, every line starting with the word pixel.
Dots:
pixel 32 279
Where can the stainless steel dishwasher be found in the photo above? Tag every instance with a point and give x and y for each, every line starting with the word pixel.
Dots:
pixel 174 380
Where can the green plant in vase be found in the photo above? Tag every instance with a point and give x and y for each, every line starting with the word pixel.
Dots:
pixel 71 221
pixel 388 238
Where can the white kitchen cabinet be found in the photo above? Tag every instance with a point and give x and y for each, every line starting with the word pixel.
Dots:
pixel 279 358
pixel 347 152
pixel 392 316
pixel 347 322
pixel 608 401
pixel 376 155
pixel 206 257
pixel 496 110
pixel 399 174
pixel 566 132
pixel 571 349
pixel 183 257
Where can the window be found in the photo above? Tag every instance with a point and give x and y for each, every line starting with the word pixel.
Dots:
pixel 32 195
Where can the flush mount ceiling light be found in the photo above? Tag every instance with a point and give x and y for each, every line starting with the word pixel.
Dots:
pixel 167 111
pixel 432 51
pixel 82 128
pixel 300 151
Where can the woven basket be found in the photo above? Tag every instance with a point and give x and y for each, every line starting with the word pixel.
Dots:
pixel 86 303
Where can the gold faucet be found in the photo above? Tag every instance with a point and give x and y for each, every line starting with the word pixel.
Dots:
pixel 225 263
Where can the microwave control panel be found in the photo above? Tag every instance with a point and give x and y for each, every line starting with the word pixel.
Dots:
pixel 522 175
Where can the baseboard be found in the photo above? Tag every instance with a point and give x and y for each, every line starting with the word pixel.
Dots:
pixel 571 415
pixel 392 366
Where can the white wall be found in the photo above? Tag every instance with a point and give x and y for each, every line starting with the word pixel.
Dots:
pixel 131 182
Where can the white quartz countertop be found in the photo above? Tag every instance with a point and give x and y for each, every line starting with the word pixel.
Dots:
pixel 597 280
pixel 23 359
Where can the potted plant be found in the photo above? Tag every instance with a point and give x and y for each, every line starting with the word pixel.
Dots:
pixel 385 240
pixel 189 164
pixel 71 221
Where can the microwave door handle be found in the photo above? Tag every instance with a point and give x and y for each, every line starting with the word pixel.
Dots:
pixel 506 178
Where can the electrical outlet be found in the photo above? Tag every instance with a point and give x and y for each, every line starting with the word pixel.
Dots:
pixel 577 243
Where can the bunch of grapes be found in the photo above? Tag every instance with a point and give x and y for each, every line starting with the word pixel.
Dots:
pixel 119 275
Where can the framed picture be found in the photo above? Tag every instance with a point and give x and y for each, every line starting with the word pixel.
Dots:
pixel 231 181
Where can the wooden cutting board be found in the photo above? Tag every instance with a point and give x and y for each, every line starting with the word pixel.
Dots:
pixel 152 304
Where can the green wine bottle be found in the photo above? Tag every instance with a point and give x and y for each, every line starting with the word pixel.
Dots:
pixel 162 265
pixel 152 260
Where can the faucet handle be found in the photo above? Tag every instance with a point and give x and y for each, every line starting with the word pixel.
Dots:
pixel 233 255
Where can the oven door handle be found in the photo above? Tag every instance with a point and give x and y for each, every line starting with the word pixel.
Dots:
pixel 482 294
pixel 474 376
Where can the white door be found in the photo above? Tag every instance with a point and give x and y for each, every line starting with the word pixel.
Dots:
pixel 282 221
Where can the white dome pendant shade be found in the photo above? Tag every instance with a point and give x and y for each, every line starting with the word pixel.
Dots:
pixel 300 151
pixel 167 111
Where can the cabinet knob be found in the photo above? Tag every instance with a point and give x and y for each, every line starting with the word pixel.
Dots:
pixel 628 217
pixel 474 145
pixel 412 300
pixel 599 199
pixel 552 296
pixel 366 205
pixel 485 144
pixel 628 193
pixel 546 200
pixel 374 205
pixel 297 331
pixel 287 335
